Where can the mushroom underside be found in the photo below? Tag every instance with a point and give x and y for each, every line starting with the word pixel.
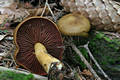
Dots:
pixel 32 31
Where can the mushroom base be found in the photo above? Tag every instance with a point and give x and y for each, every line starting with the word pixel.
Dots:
pixel 44 58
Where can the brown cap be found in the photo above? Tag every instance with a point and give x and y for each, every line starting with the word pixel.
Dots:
pixel 74 24
pixel 31 31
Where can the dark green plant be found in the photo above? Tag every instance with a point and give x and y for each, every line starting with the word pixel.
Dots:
pixel 105 49
pixel 8 75
pixel 72 58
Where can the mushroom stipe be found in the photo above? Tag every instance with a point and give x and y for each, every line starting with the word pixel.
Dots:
pixel 36 30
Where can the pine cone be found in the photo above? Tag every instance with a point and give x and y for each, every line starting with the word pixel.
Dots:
pixel 103 14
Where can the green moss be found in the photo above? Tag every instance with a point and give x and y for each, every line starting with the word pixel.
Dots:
pixel 77 59
pixel 74 59
pixel 8 75
pixel 104 48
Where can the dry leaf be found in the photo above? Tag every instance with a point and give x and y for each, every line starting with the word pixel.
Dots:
pixel 3 18
pixel 87 72
pixel 2 37
pixel 6 3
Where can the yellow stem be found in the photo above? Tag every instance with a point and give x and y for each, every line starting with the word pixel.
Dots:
pixel 43 57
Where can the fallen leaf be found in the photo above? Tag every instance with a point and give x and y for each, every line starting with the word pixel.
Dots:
pixel 2 37
pixel 87 72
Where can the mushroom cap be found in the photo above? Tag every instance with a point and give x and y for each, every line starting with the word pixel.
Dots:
pixel 74 24
pixel 31 31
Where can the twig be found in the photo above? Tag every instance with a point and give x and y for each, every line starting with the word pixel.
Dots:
pixel 21 69
pixel 13 70
pixel 111 33
pixel 13 59
pixel 12 56
pixel 51 12
pixel 3 54
pixel 85 61
pixel 44 10
pixel 9 52
pixel 47 5
pixel 91 56
pixel 2 37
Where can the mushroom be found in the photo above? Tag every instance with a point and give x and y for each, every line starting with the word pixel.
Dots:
pixel 35 37
pixel 74 24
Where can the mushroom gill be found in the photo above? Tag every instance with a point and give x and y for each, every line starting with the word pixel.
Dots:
pixel 30 32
